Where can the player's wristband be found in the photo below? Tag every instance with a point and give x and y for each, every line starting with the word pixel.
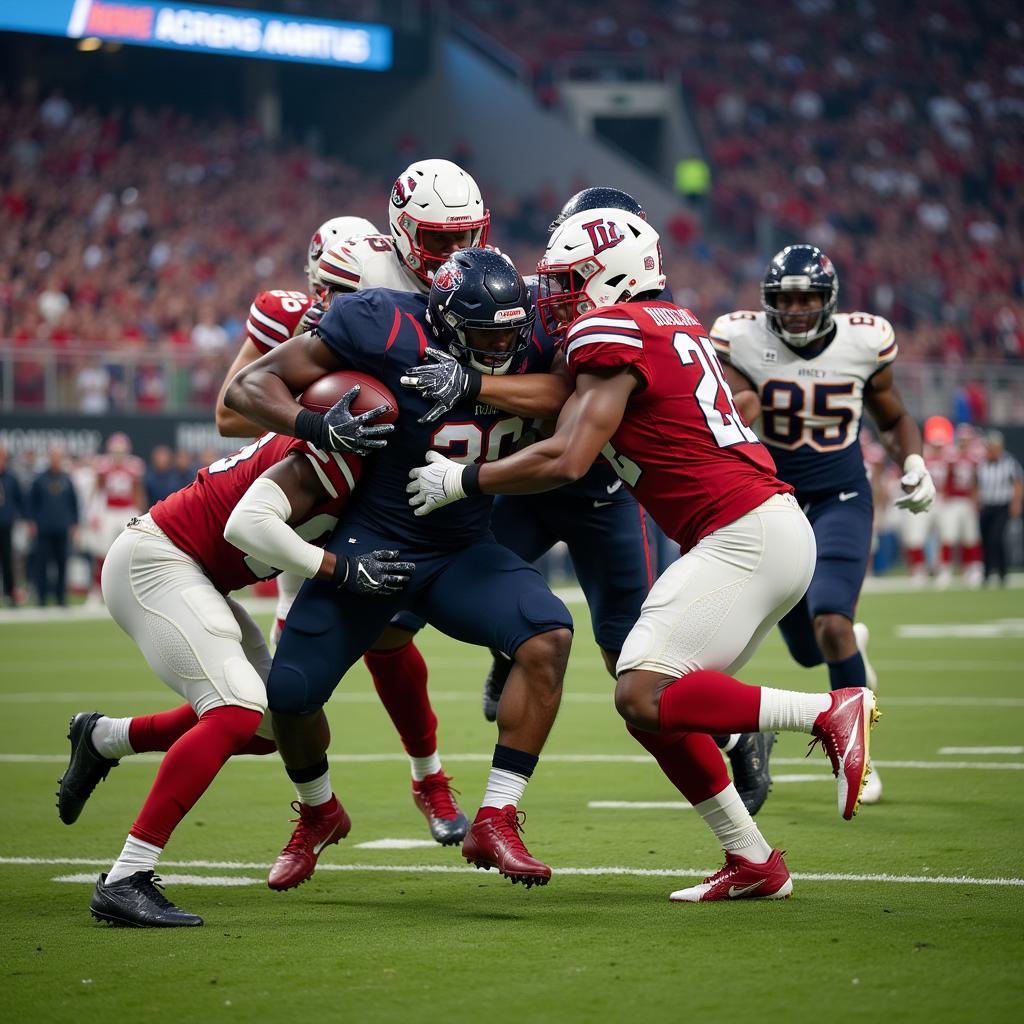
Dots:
pixel 309 426
pixel 471 480
pixel 341 570
pixel 474 381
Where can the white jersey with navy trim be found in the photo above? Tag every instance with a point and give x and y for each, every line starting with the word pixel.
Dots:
pixel 366 261
pixel 811 406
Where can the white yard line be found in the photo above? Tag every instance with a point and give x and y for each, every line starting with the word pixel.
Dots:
pixel 217 880
pixel 1011 766
pixel 981 750
pixel 452 869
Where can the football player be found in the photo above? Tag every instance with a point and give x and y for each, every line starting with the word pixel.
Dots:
pixel 606 531
pixel 650 394
pixel 446 213
pixel 809 372
pixel 465 584
pixel 958 513
pixel 166 583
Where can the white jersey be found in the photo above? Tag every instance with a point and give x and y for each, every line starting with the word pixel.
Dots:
pixel 367 261
pixel 811 407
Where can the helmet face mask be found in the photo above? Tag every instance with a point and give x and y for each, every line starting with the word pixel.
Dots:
pixel 596 258
pixel 430 200
pixel 480 310
pixel 800 270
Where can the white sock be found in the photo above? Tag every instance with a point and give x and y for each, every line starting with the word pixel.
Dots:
pixel 504 788
pixel 109 737
pixel 733 826
pixel 789 710
pixel 731 741
pixel 424 766
pixel 315 793
pixel 137 855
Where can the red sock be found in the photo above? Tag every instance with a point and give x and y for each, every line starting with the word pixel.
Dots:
pixel 400 677
pixel 158 732
pixel 970 554
pixel 946 555
pixel 691 761
pixel 709 701
pixel 190 766
pixel 915 558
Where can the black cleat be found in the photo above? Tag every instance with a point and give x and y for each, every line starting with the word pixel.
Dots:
pixel 494 684
pixel 85 769
pixel 750 771
pixel 137 902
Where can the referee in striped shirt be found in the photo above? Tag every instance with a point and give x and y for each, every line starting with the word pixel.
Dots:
pixel 1000 489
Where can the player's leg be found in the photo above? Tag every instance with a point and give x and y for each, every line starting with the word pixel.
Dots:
pixel 914 530
pixel 189 636
pixel 705 617
pixel 399 676
pixel 324 634
pixel 522 524
pixel 488 596
pixel 970 543
pixel 947 527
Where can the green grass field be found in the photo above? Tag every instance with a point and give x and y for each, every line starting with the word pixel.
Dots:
pixel 414 934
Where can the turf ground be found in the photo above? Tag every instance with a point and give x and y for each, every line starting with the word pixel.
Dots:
pixel 912 912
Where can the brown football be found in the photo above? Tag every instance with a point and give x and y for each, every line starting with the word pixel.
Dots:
pixel 325 392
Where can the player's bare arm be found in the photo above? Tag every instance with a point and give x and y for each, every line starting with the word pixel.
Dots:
pixel 902 439
pixel 587 422
pixel 229 422
pixel 744 394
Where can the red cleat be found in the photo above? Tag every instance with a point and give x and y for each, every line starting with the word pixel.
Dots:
pixel 317 828
pixel 433 796
pixel 493 842
pixel 741 879
pixel 844 732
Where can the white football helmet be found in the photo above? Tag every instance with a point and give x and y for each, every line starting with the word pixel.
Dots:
pixel 337 229
pixel 596 258
pixel 435 196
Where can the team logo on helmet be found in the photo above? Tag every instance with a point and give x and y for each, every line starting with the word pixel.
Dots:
pixel 403 190
pixel 448 278
pixel 826 265
pixel 604 234
pixel 316 246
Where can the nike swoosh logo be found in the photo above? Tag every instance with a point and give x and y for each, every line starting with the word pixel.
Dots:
pixel 366 576
pixel 847 495
pixel 612 488
pixel 737 890
pixel 601 504
pixel 317 847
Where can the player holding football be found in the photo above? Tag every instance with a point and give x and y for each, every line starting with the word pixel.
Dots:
pixel 650 395
pixel 465 584
pixel 434 208
pixel 601 523
pixel 166 583
pixel 809 372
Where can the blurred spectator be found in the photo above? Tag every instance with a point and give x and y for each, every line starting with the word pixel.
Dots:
pixel 12 508
pixel 186 467
pixel 162 478
pixel 53 512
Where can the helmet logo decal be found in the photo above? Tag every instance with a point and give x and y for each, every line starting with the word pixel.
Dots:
pixel 448 278
pixel 604 234
pixel 316 246
pixel 648 263
pixel 403 190
pixel 504 315
pixel 826 264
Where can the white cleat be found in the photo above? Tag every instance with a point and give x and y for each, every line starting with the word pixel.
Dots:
pixel 861 636
pixel 872 791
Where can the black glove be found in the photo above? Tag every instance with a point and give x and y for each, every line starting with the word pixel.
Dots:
pixel 446 381
pixel 376 572
pixel 337 430
pixel 311 318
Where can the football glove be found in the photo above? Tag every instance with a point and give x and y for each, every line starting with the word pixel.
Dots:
pixel 917 485
pixel 437 484
pixel 375 572
pixel 311 318
pixel 446 381
pixel 337 430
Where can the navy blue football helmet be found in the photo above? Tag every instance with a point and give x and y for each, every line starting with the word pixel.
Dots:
pixel 600 197
pixel 479 289
pixel 800 268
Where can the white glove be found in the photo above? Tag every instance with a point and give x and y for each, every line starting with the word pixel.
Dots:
pixel 918 485
pixel 437 484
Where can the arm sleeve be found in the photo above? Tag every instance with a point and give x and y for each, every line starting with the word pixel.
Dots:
pixel 259 527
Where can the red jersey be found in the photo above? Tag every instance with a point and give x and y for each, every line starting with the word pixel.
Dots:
pixel 937 464
pixel 681 447
pixel 961 475
pixel 194 517
pixel 273 317
pixel 118 481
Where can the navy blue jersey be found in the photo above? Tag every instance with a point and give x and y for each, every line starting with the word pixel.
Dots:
pixel 383 332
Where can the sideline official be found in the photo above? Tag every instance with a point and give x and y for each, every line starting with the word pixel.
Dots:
pixel 1000 488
